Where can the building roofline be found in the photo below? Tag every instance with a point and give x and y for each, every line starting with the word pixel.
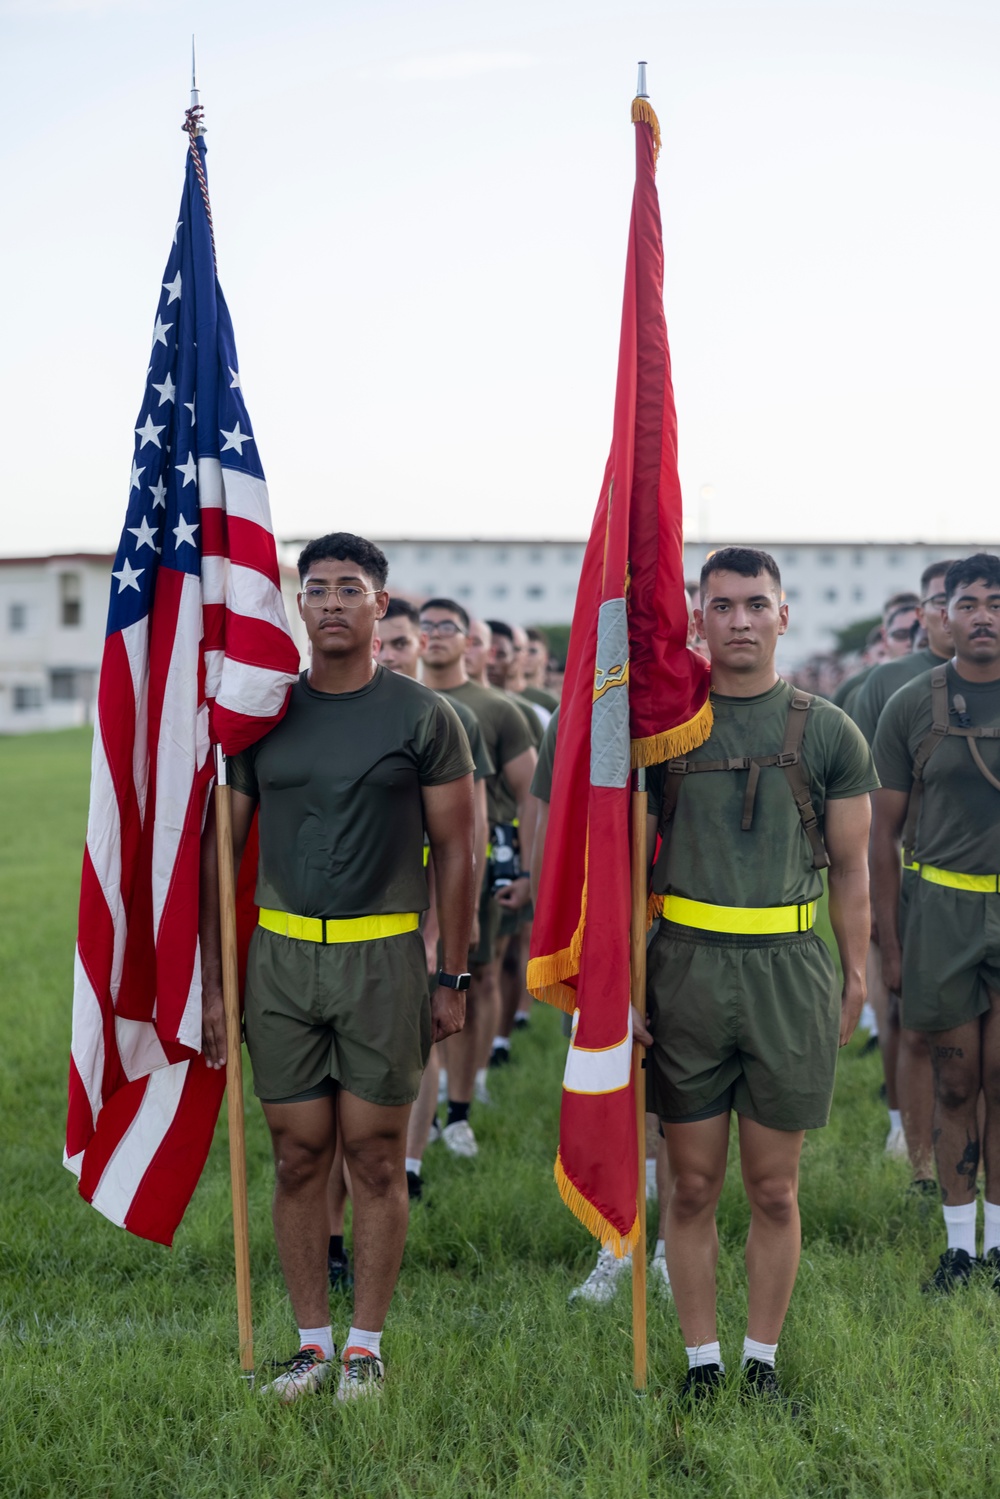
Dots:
pixel 59 557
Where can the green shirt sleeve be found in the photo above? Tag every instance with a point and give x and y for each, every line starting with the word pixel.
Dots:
pixel 541 785
pixel 866 706
pixel 851 771
pixel 444 753
pixel 241 773
pixel 513 734
pixel 891 747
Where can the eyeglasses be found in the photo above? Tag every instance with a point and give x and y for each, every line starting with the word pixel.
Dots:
pixel 441 627
pixel 936 601
pixel 901 634
pixel 349 597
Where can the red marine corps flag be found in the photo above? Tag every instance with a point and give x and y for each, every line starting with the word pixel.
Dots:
pixel 633 695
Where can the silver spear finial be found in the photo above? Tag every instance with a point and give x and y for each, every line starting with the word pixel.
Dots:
pixel 640 92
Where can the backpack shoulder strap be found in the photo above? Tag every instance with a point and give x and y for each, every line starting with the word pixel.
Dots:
pixel 790 761
pixel 926 747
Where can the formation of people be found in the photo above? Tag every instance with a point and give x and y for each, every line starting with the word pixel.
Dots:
pixel 402 807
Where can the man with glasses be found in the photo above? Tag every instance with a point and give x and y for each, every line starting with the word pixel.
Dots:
pixel 508 790
pixel 899 619
pixel 339 1019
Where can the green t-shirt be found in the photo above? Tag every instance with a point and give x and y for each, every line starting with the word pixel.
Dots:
pixel 886 679
pixel 541 699
pixel 846 694
pixel 481 760
pixel 536 727
pixel 338 784
pixel 959 826
pixel 705 854
pixel 506 734
pixel 541 784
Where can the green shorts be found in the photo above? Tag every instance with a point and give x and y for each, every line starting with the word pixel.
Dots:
pixel 489 929
pixel 951 956
pixel 909 881
pixel 744 1023
pixel 353 1015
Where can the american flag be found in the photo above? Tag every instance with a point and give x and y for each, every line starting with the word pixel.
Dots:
pixel 198 651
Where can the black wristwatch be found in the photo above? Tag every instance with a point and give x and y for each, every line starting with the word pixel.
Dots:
pixel 454 980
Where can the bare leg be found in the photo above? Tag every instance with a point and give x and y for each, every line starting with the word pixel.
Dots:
pixel 303 1137
pixel 463 1049
pixel 423 1111
pixel 375 1151
pixel 769 1159
pixel 888 1024
pixel 956 1055
pixel 338 1190
pixel 664 1184
pixel 511 983
pixel 697 1155
pixel 991 1097
pixel 915 1088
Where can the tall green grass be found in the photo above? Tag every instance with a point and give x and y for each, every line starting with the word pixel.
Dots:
pixel 118 1368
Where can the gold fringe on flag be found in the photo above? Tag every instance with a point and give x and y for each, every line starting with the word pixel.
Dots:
pixel 654 908
pixel 593 1220
pixel 642 111
pixel 672 742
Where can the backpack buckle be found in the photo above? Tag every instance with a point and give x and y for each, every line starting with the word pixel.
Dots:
pixel 740 762
pixel 677 767
pixel 788 757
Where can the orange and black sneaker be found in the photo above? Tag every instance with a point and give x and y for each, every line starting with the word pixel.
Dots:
pixel 363 1373
pixel 301 1375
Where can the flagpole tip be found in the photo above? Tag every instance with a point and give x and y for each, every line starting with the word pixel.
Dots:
pixel 640 91
pixel 195 112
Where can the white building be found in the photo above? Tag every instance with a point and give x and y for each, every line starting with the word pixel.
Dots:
pixel 827 584
pixel 53 612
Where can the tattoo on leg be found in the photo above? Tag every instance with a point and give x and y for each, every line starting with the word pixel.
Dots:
pixel 946 1053
pixel 968 1166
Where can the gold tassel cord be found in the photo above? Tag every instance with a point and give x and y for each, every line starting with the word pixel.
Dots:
pixel 673 742
pixel 592 1219
pixel 643 113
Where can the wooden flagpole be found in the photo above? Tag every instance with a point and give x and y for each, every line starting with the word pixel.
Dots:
pixel 234 1062
pixel 638 990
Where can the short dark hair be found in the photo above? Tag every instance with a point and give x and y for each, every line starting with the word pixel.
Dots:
pixel 749 562
pixel 499 627
pixel 452 608
pixel 934 570
pixel 980 567
pixel 353 548
pixel 539 637
pixel 403 609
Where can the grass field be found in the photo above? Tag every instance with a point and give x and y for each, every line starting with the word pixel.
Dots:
pixel 119 1370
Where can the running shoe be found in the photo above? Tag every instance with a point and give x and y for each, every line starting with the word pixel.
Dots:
pixel 603 1281
pixel 955 1268
pixel 481 1092
pixel 990 1265
pixel 460 1140
pixel 760 1382
pixel 338 1267
pixel 302 1375
pixel 414 1186
pixel 363 1374
pixel 701 1382
pixel 659 1275
pixel 500 1056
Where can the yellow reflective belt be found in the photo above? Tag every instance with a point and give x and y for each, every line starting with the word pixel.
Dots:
pixel 902 860
pixel 988 883
pixel 739 920
pixel 349 929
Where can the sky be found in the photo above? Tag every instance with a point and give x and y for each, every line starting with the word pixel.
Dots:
pixel 421 215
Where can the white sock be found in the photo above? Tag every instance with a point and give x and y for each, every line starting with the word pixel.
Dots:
pixel 704 1353
pixel 960 1223
pixel 650 1176
pixel 764 1353
pixel 895 1119
pixel 991 1226
pixel 371 1342
pixel 501 1043
pixel 317 1337
pixel 660 1252
pixel 481 1076
pixel 413 1164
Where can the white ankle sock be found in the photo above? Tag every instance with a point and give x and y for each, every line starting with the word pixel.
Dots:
pixel 704 1353
pixel 960 1223
pixel 991 1226
pixel 660 1252
pixel 764 1353
pixel 650 1176
pixel 481 1076
pixel 501 1043
pixel 413 1164
pixel 895 1119
pixel 371 1342
pixel 317 1337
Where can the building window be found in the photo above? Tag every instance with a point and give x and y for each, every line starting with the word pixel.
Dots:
pixel 894 559
pixel 62 685
pixel 571 554
pixel 858 559
pixel 17 617
pixel 424 554
pixel 790 559
pixel 463 591
pixel 460 554
pixel 499 590
pixel 830 594
pixel 70 599
pixel 26 697
pixel 500 555
pixel 857 595
pixel 791 593
pixel 536 555
pixel 535 591
pixel 827 559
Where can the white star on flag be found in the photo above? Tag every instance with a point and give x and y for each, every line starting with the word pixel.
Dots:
pixel 190 407
pixel 127 576
pixel 160 330
pixel 188 528
pixel 148 432
pixel 189 470
pixel 159 493
pixel 176 227
pixel 144 534
pixel 136 474
pixel 235 439
pixel 174 288
pixel 235 383
pixel 167 389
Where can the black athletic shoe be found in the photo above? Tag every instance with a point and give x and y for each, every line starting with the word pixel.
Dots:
pixel 414 1186
pixel 701 1382
pixel 955 1268
pixel 500 1056
pixel 922 1188
pixel 760 1382
pixel 990 1266
pixel 521 1021
pixel 870 1045
pixel 338 1267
